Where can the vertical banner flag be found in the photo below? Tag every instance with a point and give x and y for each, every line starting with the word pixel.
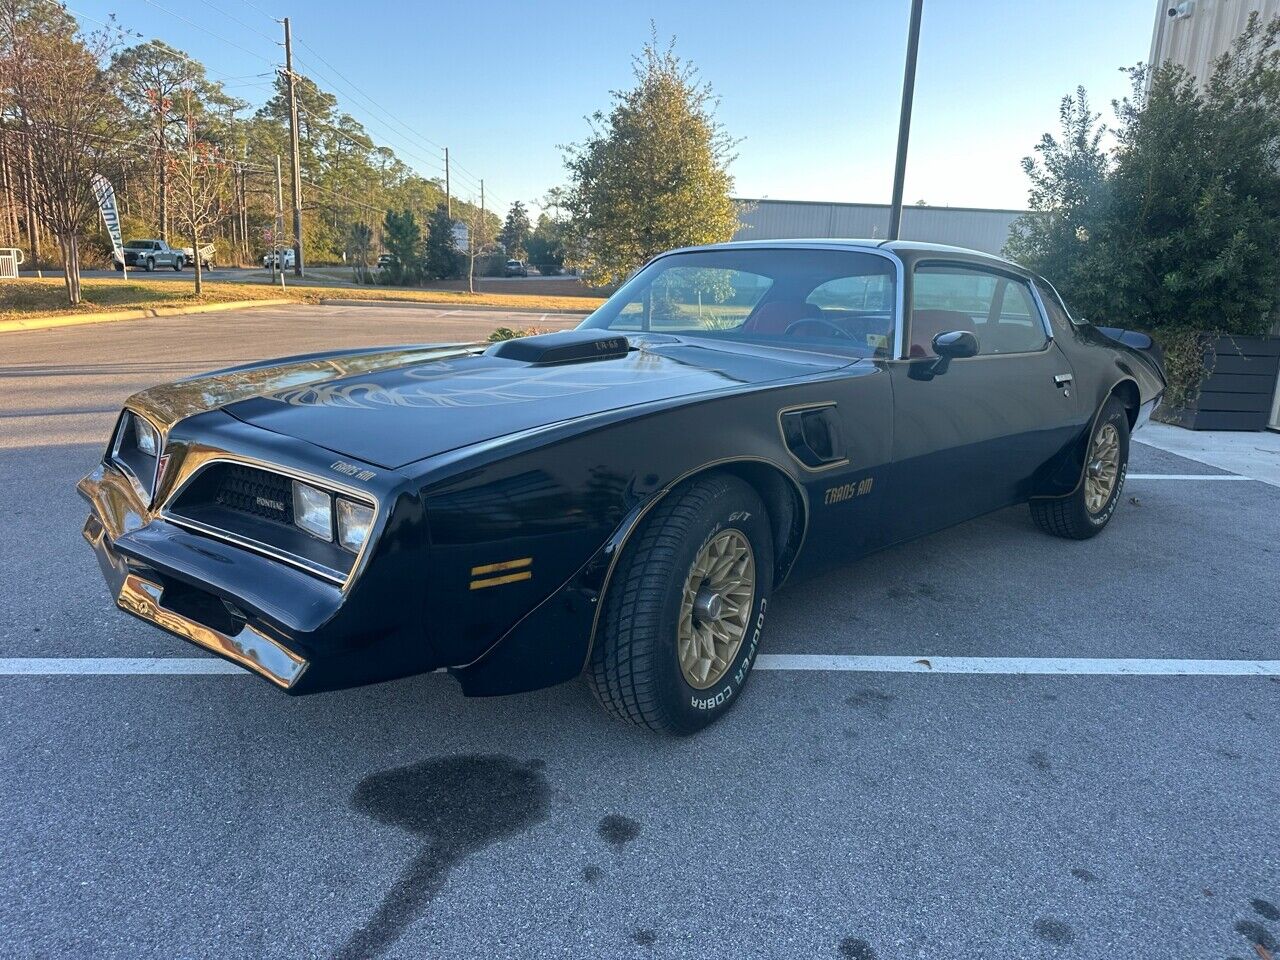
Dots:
pixel 107 204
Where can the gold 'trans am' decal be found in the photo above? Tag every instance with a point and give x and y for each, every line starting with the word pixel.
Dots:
pixel 847 491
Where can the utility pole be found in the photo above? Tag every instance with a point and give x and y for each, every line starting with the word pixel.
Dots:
pixel 279 226
pixel 295 159
pixel 448 194
pixel 244 201
pixel 904 119
pixel 482 201
pixel 235 178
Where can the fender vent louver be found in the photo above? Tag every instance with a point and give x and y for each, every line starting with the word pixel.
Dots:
pixel 568 346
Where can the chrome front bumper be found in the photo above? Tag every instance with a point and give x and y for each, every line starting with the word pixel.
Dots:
pixel 144 599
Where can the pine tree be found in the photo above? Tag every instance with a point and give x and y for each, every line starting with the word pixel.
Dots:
pixel 440 257
pixel 653 174
pixel 515 231
pixel 402 237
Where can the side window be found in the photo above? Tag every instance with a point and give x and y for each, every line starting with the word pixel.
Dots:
pixel 996 308
pixel 1018 327
pixel 1058 315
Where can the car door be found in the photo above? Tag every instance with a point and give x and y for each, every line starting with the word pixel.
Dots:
pixel 973 435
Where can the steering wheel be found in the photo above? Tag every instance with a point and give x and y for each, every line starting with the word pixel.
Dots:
pixel 838 331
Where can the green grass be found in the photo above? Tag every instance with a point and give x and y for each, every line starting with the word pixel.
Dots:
pixel 27 298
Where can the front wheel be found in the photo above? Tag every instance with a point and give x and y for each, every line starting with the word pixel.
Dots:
pixel 151 264
pixel 1083 513
pixel 685 607
pixel 177 265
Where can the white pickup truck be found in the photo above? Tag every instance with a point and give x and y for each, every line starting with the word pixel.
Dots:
pixel 149 254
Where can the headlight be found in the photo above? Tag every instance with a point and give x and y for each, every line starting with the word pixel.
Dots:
pixel 135 450
pixel 148 439
pixel 354 520
pixel 313 510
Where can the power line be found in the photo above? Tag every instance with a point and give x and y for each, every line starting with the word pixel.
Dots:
pixel 409 132
pixel 325 125
pixel 369 99
pixel 394 138
pixel 410 136
pixel 250 3
pixel 234 18
pixel 154 42
pixel 192 23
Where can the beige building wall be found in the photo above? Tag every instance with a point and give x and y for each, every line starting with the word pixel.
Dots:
pixel 1197 32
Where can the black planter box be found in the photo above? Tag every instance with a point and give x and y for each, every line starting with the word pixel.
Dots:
pixel 1238 388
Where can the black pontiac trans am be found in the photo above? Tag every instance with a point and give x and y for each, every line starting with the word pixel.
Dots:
pixel 620 500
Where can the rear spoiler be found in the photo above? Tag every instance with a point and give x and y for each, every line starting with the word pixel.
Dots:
pixel 1138 341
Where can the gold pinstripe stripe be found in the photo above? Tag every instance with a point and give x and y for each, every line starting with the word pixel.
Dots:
pixel 498 581
pixel 504 565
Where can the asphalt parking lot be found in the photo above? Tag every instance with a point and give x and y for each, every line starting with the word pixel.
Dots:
pixel 835 813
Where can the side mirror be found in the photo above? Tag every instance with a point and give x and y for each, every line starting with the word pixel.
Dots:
pixel 951 345
pixel 955 345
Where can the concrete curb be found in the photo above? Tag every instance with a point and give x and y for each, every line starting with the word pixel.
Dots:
pixel 478 308
pixel 79 319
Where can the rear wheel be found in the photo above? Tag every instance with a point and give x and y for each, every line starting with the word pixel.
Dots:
pixel 1089 508
pixel 684 610
pixel 151 264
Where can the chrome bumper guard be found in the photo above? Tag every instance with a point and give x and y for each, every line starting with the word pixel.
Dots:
pixel 144 599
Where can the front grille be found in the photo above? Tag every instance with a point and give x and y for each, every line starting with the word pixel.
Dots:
pixel 254 508
pixel 255 492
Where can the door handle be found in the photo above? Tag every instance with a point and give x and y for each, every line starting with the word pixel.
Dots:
pixel 1061 379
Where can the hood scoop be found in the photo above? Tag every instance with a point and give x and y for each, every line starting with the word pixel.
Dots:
pixel 567 346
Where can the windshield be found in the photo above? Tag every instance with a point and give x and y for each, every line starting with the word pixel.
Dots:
pixel 832 299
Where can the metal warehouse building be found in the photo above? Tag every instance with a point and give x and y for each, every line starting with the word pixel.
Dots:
pixel 972 227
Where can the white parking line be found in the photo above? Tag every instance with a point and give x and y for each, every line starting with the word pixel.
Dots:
pixel 825 663
pixel 1185 476
pixel 123 666
pixel 1049 666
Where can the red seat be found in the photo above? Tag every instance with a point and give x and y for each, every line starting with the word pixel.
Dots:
pixel 927 324
pixel 773 318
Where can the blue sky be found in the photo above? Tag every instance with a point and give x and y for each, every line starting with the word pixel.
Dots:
pixel 811 86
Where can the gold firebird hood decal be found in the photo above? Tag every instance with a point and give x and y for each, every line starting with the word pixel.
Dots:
pixel 167 404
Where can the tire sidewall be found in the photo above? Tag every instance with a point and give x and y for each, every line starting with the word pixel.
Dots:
pixel 1113 413
pixel 689 707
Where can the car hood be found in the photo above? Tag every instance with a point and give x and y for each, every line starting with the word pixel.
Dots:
pixel 392 407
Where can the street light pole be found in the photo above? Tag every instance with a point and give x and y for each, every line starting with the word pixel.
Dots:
pixel 904 119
